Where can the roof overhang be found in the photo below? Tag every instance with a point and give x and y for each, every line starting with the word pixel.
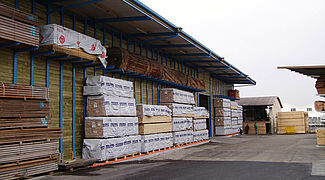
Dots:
pixel 313 71
pixel 133 21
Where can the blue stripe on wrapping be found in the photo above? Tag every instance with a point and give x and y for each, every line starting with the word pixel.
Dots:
pixel 33 31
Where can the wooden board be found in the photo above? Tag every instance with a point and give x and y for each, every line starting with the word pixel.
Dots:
pixel 154 119
pixel 19 15
pixel 320 85
pixel 320 137
pixel 155 128
pixel 296 119
pixel 22 91
pixel 319 105
pixel 195 82
pixel 14 123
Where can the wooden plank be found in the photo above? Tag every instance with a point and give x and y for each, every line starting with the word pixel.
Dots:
pixel 155 128
pixel 154 119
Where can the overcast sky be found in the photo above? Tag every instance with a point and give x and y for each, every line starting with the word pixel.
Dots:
pixel 257 36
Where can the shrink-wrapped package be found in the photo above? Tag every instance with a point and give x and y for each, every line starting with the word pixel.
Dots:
pixel 222 121
pixel 103 85
pixel 233 121
pixel 199 124
pixel 201 135
pixel 180 109
pixel 200 112
pixel 152 110
pixel 104 149
pixel 156 141
pixel 222 112
pixel 221 103
pixel 100 106
pixel 223 130
pixel 62 36
pixel 180 137
pixel 170 95
pixel 180 124
pixel 106 127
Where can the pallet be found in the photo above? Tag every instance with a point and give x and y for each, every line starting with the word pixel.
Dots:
pixel 185 116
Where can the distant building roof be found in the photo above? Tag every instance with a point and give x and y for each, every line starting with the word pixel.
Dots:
pixel 259 101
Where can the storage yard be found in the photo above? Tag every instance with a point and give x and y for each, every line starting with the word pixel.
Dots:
pixel 99 82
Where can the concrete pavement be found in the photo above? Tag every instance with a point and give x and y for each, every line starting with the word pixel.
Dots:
pixel 244 157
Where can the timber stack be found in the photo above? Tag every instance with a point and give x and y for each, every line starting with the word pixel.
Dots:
pixel 200 131
pixel 27 145
pixel 155 126
pixel 127 61
pixel 111 125
pixel 181 104
pixel 296 121
pixel 18 26
pixel 320 85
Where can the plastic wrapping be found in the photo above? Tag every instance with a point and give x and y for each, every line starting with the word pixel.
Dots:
pixel 181 137
pixel 152 110
pixel 59 35
pixel 221 103
pixel 233 121
pixel 222 121
pixel 180 109
pixel 200 112
pixel 180 124
pixel 222 112
pixel 99 106
pixel 170 95
pixel 223 130
pixel 106 127
pixel 199 124
pixel 104 149
pixel 156 141
pixel 200 135
pixel 102 85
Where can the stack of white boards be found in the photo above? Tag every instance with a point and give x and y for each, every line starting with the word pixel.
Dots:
pixel 222 116
pixel 111 125
pixel 200 131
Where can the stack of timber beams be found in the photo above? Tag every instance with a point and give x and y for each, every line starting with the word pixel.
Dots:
pixel 261 127
pixel 297 121
pixel 320 85
pixel 27 146
pixel 127 61
pixel 18 26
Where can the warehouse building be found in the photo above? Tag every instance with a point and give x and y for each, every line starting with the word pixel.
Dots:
pixel 263 110
pixel 122 24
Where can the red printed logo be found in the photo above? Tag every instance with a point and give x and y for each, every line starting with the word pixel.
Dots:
pixel 78 42
pixel 42 38
pixel 62 39
pixel 103 55
pixel 93 47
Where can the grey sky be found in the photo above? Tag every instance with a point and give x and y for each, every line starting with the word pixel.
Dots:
pixel 256 36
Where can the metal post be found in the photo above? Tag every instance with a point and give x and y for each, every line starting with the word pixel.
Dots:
pixel 153 92
pixel 95 71
pixel 141 92
pixel 128 43
pixel 85 99
pixel 104 36
pixel 47 73
pixel 210 120
pixel 158 95
pixel 95 30
pixel 61 108
pixel 147 88
pixel 32 69
pixel 62 17
pixel 121 40
pixel 48 15
pixel 74 20
pixel 135 90
pixel 15 67
pixel 85 26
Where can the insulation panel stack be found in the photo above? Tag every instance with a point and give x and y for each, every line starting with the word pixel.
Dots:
pixel 111 128
pixel 27 145
pixel 298 120
pixel 236 116
pixel 181 104
pixel 18 26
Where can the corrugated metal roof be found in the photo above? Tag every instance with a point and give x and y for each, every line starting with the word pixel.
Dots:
pixel 259 101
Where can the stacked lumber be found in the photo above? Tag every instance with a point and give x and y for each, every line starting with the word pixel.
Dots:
pixel 261 127
pixel 111 128
pixel 297 120
pixel 27 145
pixel 320 85
pixel 181 105
pixel 18 26
pixel 155 126
pixel 234 93
pixel 320 137
pixel 127 61
pixel 319 105
pixel 22 91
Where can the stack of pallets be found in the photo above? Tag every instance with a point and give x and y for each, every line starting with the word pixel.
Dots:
pixel 18 26
pixel 27 145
